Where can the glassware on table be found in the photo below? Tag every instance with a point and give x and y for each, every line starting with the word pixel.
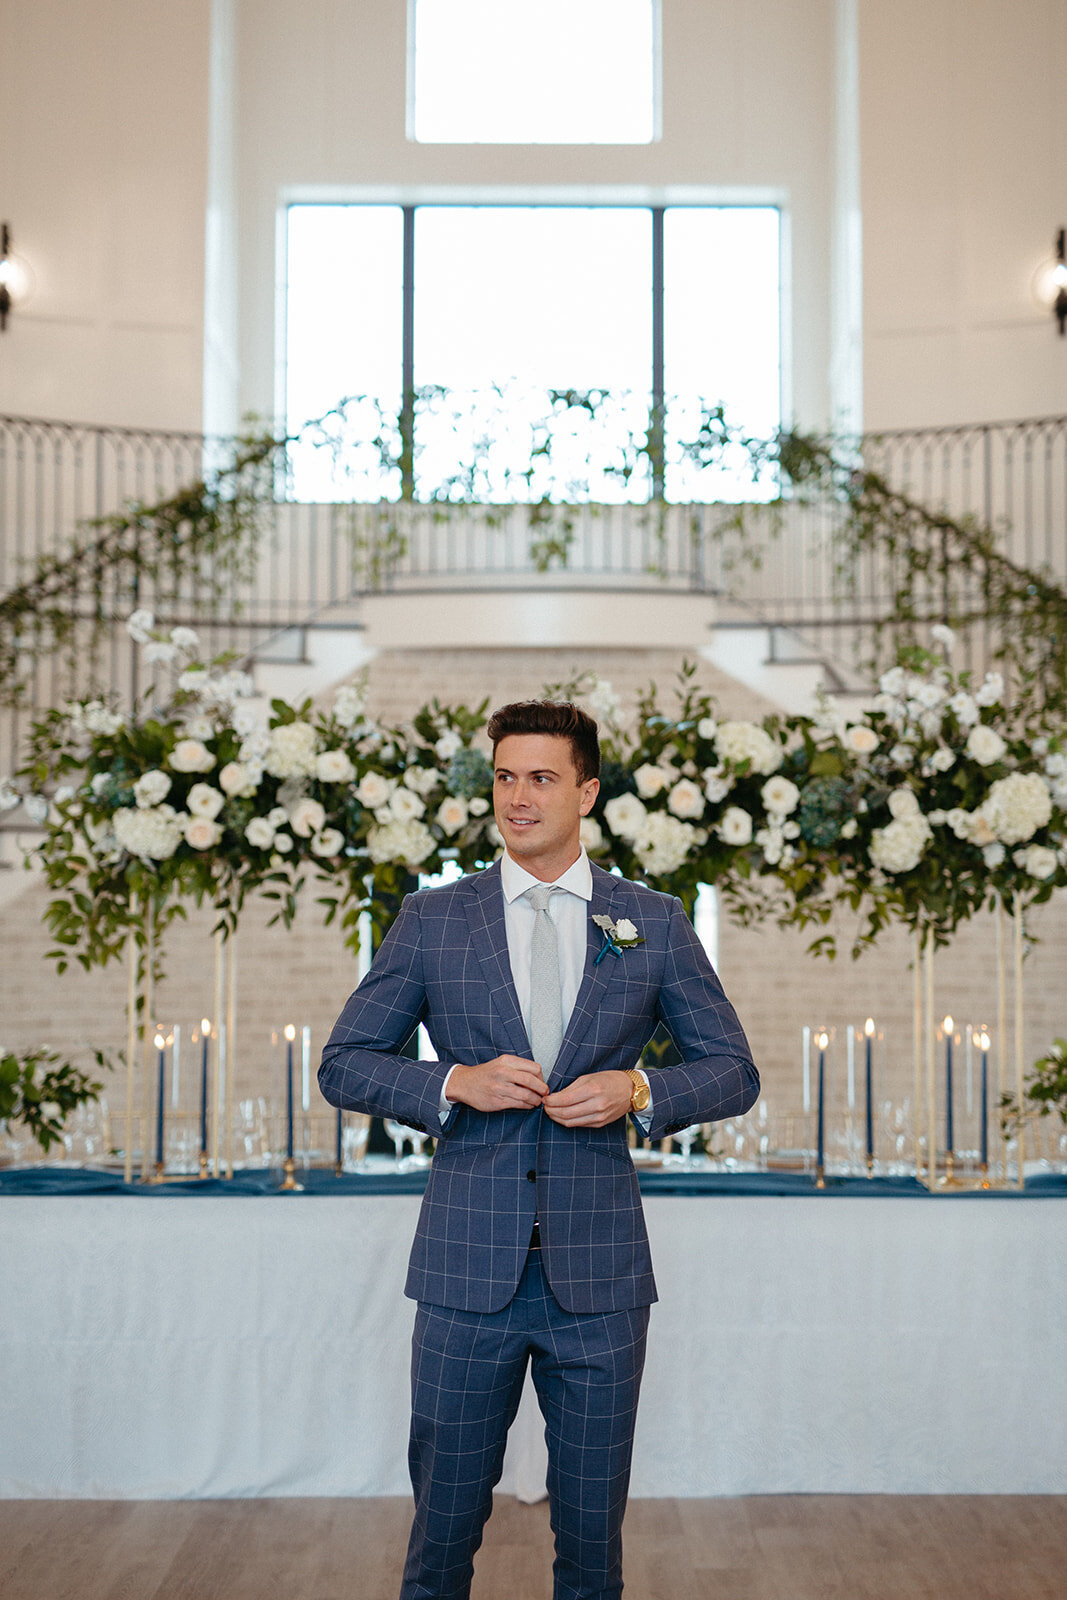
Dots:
pixel 686 1137
pixel 355 1131
pixel 416 1160
pixel 398 1132
pixel 87 1134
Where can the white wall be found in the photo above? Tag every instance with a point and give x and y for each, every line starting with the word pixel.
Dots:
pixel 748 98
pixel 963 190
pixel 103 133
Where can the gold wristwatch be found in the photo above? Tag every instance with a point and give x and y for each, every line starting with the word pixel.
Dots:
pixel 641 1097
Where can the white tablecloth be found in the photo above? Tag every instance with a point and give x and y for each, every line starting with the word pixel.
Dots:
pixel 174 1347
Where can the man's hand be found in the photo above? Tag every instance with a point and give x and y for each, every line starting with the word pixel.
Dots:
pixel 507 1083
pixel 591 1101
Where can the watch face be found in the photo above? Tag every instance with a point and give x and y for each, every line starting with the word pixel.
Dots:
pixel 641 1097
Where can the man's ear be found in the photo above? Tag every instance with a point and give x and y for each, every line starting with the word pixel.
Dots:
pixel 590 790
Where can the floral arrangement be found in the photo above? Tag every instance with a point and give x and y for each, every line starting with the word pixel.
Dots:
pixel 40 1090
pixel 1045 1091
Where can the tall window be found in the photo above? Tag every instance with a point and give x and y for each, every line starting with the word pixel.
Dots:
pixel 533 72
pixel 513 353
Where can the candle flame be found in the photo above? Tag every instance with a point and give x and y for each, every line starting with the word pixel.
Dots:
pixel 205 1027
pixel 948 1026
pixel 868 1027
pixel 822 1039
pixel 290 1032
pixel 984 1041
pixel 160 1041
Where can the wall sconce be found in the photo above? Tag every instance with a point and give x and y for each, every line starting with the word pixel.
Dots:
pixel 1050 283
pixel 16 279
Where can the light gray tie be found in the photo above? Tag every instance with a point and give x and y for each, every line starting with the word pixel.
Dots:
pixel 546 1000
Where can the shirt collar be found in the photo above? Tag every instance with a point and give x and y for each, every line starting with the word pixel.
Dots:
pixel 515 880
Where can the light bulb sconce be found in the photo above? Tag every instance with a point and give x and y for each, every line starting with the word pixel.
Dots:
pixel 1059 278
pixel 16 279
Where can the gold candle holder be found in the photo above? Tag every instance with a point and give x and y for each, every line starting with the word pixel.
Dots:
pixel 289 1183
pixel 820 1177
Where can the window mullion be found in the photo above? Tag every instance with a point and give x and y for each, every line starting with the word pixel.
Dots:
pixel 407 359
pixel 656 418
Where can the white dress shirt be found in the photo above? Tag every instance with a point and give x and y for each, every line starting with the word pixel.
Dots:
pixel 569 911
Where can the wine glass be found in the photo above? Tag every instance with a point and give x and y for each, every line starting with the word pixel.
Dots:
pixel 398 1133
pixel 416 1160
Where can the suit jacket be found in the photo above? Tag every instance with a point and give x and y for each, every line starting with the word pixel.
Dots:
pixel 445 963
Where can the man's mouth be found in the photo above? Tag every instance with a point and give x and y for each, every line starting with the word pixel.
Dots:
pixel 523 822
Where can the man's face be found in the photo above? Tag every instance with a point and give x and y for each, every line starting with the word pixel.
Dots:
pixel 539 803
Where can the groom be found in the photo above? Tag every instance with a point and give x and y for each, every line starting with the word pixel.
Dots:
pixel 540 981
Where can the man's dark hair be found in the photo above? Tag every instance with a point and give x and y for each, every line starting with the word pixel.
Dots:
pixel 557 718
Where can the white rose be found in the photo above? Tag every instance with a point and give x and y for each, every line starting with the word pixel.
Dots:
pixel 625 930
pixel 706 728
pixel 406 806
pixel 334 766
pixel 185 638
pixel 328 843
pixel 478 806
pixel 201 832
pixel 780 796
pixel 283 843
pixel 736 826
pixel 716 785
pixel 625 816
pixel 260 833
pixel 307 817
pixel 772 842
pixel 964 707
pixel 422 779
pixel 849 828
pixel 991 691
pixel 278 817
pixel 447 745
pixel 903 803
pixel 591 835
pixel 139 625
pixel 985 745
pixel 197 728
pixel 861 739
pixel 190 755
pixel 1039 861
pixel 943 635
pixel 348 705
pixel 738 742
pixel 374 790
pixel 452 814
pixel 943 759
pixel 237 779
pixel 686 799
pixel 98 719
pixel 902 755
pixel 193 679
pixel 650 780
pixel 151 788
pixel 205 801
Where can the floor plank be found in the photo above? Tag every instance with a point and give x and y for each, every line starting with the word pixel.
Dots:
pixel 773 1547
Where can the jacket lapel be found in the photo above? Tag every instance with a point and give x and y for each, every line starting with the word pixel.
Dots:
pixel 596 978
pixel 485 918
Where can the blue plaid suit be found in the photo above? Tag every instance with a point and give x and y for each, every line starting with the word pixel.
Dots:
pixel 445 963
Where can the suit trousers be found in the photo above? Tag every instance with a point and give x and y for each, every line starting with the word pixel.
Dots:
pixel 467 1375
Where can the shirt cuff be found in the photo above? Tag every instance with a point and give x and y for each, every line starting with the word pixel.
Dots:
pixel 447 1108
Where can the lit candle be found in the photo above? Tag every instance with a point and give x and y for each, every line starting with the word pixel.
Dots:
pixel 175 1041
pixel 868 1029
pixel 305 1068
pixel 205 1035
pixel 805 1056
pixel 822 1039
pixel 161 1056
pixel 850 1059
pixel 290 1035
pixel 950 1142
pixel 982 1040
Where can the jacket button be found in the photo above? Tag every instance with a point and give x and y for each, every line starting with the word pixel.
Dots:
pixel 531 1176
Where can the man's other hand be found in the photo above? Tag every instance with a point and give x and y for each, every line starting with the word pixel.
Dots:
pixel 591 1101
pixel 507 1083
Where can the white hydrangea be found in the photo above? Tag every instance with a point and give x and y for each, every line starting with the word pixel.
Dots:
pixel 410 842
pixel 374 790
pixel 193 679
pixel 334 766
pixel 447 745
pixel 306 817
pixel 1039 861
pixel 663 843
pixel 328 843
pixel 706 728
pixel 153 834
pixel 736 826
pixel 185 638
pixel 291 751
pixel 405 805
pixel 985 745
pixel 898 847
pixel 150 788
pixel 943 636
pixel 651 780
pixel 191 755
pixel 452 814
pixel 197 728
pixel 943 759
pixel 991 691
pixel 157 651
pixel 717 784
pixel 348 705
pixel 993 855
pixel 423 780
pixel 902 755
pixel 861 739
pixel 1017 806
pixel 772 842
pixel 780 796
pixel 591 835
pixel 205 800
pixel 98 718
pixel 892 682
pixel 201 833
pixel 139 625
pixel 737 742
pixel 625 816
pixel 686 799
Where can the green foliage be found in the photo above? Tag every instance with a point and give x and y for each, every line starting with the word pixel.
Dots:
pixel 40 1089
pixel 1044 1091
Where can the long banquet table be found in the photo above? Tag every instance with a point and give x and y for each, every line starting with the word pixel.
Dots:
pixel 236 1342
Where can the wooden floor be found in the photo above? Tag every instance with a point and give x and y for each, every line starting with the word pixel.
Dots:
pixel 809 1547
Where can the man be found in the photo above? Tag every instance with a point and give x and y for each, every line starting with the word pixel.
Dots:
pixel 531 1243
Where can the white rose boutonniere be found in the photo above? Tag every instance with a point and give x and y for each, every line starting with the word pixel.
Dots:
pixel 618 936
